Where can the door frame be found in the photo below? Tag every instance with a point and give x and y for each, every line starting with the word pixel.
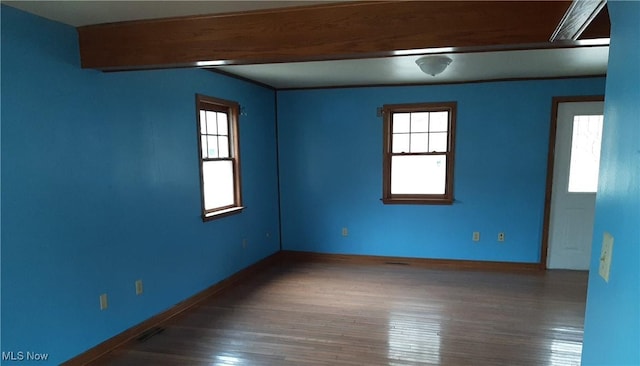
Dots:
pixel 555 102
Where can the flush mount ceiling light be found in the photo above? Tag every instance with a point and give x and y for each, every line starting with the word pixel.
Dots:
pixel 433 65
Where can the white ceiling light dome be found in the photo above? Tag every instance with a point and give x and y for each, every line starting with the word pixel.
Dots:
pixel 433 65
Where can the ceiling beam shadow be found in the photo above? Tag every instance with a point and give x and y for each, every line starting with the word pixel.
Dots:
pixel 576 20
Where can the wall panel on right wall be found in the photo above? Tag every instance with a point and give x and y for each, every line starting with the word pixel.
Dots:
pixel 612 321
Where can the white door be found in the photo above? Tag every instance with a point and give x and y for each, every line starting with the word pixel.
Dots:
pixel 575 182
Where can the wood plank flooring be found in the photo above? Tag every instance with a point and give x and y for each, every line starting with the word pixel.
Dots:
pixel 324 313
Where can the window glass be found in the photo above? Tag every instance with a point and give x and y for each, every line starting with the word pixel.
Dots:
pixel 418 174
pixel 401 122
pixel 212 146
pixel 585 154
pixel 211 123
pixel 400 142
pixel 438 142
pixel 223 146
pixel 419 142
pixel 218 183
pixel 203 122
pixel 420 122
pixel 222 124
pixel 439 121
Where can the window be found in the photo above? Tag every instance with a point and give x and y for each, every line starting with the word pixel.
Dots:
pixel 585 154
pixel 418 153
pixel 219 155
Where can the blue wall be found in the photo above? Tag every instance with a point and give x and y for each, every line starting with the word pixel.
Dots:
pixel 100 187
pixel 612 321
pixel 330 145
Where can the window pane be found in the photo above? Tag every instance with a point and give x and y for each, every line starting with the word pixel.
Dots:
pixel 212 147
pixel 419 142
pixel 222 124
pixel 203 123
pixel 439 122
pixel 223 146
pixel 400 143
pixel 218 184
pixel 420 122
pixel 418 174
pixel 401 122
pixel 438 142
pixel 203 144
pixel 211 123
pixel 585 154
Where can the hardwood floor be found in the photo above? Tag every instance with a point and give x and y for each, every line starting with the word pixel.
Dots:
pixel 324 313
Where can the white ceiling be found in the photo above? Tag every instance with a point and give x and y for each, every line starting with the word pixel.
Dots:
pixel 474 66
pixel 403 69
pixel 81 12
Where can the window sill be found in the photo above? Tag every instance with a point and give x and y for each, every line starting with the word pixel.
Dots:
pixel 222 213
pixel 417 201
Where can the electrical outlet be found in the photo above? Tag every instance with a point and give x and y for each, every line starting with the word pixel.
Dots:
pixel 476 236
pixel 244 243
pixel 139 288
pixel 268 235
pixel 103 302
pixel 605 256
pixel 345 231
pixel 501 237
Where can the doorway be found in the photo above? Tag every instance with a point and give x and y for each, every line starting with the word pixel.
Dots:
pixel 572 181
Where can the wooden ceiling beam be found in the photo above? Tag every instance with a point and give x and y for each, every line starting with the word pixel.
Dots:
pixel 326 32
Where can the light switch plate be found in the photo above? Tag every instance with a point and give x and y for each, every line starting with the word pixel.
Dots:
pixel 104 303
pixel 605 256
